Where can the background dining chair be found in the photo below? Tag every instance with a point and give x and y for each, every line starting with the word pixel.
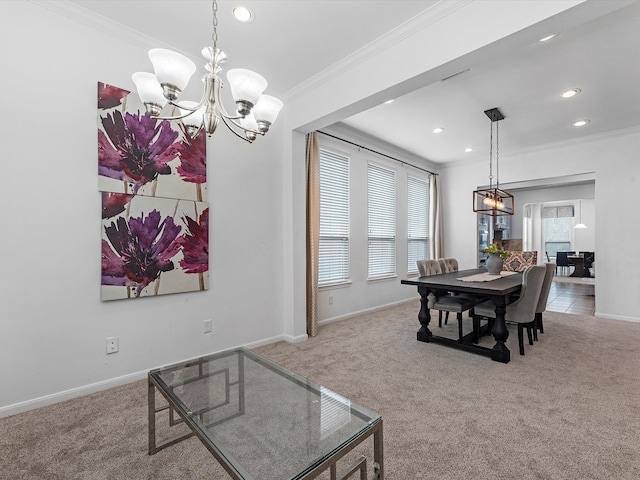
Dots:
pixel 441 300
pixel 448 265
pixel 523 310
pixel 589 258
pixel 562 260
pixel 544 295
pixel 427 268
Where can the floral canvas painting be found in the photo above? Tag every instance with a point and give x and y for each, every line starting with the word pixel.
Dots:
pixel 141 155
pixel 152 178
pixel 153 246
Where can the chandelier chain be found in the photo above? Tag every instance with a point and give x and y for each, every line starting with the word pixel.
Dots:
pixel 491 157
pixel 497 154
pixel 214 35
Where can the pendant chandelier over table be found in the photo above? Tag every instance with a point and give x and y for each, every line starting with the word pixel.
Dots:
pixel 255 112
pixel 493 201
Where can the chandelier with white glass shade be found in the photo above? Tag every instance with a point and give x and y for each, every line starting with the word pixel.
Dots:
pixel 255 111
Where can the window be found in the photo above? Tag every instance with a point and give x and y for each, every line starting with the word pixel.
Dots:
pixel 333 255
pixel 557 223
pixel 381 220
pixel 417 222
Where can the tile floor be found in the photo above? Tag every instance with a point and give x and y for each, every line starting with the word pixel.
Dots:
pixel 572 298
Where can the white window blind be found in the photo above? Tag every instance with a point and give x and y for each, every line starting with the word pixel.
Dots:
pixel 417 221
pixel 381 210
pixel 333 255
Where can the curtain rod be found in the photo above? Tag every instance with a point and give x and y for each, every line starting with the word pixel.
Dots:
pixel 378 153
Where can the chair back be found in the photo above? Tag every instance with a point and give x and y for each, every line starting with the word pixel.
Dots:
pixel 448 265
pixel 546 286
pixel 428 267
pixel 518 261
pixel 523 310
pixel 589 257
pixel 562 259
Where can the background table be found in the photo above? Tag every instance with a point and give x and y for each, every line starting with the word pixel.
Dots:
pixel 578 262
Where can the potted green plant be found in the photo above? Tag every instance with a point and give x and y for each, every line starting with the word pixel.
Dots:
pixel 495 260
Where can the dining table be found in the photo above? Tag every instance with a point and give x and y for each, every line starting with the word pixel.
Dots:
pixel 499 288
pixel 578 262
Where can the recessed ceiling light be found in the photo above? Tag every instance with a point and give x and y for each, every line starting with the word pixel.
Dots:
pixel 468 149
pixel 570 93
pixel 548 37
pixel 581 123
pixel 243 14
pixel 438 130
pixel 389 101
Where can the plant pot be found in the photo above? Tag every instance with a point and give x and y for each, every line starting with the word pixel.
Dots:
pixel 494 264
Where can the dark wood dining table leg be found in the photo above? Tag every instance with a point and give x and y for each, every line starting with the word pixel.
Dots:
pixel 500 352
pixel 424 316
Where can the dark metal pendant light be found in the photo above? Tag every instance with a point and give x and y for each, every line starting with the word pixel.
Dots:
pixel 493 201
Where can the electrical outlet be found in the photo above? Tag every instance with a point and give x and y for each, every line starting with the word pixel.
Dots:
pixel 330 299
pixel 208 326
pixel 112 345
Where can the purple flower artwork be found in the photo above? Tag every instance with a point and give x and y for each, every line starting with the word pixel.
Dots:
pixel 153 246
pixel 141 155
pixel 152 177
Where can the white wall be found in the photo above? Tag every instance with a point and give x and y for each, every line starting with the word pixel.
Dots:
pixel 54 326
pixel 613 158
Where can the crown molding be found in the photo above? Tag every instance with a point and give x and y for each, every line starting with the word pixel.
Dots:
pixel 405 30
pixel 106 25
pixel 623 132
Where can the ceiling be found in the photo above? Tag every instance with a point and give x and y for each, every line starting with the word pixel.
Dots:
pixel 522 77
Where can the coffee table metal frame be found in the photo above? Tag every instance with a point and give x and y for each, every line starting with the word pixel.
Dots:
pixel 173 407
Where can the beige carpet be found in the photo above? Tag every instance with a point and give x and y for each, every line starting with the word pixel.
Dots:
pixel 568 409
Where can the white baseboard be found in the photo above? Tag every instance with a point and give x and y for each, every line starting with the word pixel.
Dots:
pixel 57 397
pixel 368 310
pixel 69 394
pixel 277 338
pixel 617 317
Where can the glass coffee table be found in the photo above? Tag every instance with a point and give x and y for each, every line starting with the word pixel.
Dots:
pixel 261 421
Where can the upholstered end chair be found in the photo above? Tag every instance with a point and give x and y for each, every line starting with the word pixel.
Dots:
pixel 523 310
pixel 518 261
pixel 544 295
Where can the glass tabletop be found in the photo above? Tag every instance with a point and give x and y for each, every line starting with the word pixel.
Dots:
pixel 266 422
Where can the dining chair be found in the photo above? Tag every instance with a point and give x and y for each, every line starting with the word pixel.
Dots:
pixel 562 260
pixel 518 261
pixel 588 259
pixel 448 265
pixel 544 295
pixel 523 310
pixel 427 268
pixel 442 300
